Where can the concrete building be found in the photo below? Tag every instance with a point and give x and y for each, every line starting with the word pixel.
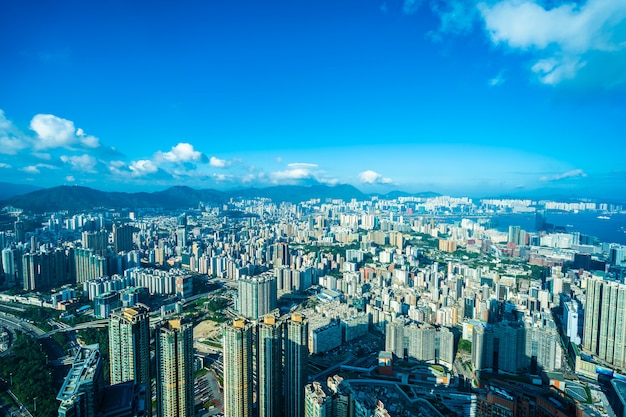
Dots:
pixel 105 303
pixel 296 364
pixel 129 345
pixel 269 368
pixel 81 391
pixel 123 238
pixel 317 403
pixel 257 296
pixel 604 333
pixel 174 378
pixel 238 367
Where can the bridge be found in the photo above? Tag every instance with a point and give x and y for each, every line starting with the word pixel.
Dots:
pixel 80 326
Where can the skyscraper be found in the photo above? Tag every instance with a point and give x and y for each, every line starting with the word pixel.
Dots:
pixel 604 333
pixel 269 368
pixel 238 383
pixel 257 296
pixel 129 345
pixel 97 241
pixel 20 234
pixel 296 364
pixel 174 353
pixel 123 238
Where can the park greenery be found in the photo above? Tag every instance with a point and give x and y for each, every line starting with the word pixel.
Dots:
pixel 465 346
pixel 29 375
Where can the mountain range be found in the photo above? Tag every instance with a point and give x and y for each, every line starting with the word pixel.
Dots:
pixel 75 198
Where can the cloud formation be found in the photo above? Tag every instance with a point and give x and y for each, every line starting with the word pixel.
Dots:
pixel 183 152
pixel 300 173
pixel 56 132
pixel 143 167
pixel 575 173
pixel 566 38
pixel 85 163
pixel 219 163
pixel 373 177
pixel 11 139
pixel 35 169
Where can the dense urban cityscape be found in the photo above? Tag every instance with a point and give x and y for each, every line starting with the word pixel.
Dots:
pixel 329 208
pixel 407 306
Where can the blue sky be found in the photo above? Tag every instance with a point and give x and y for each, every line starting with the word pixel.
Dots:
pixel 457 96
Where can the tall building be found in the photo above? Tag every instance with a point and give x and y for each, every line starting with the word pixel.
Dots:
pixel 512 347
pixel 514 234
pixel 181 237
pixel 421 342
pixel 317 402
pixel 604 333
pixel 44 270
pixel 269 368
pixel 129 345
pixel 296 363
pixel 238 381
pixel 498 348
pixel 12 264
pixel 174 379
pixel 123 238
pixel 89 265
pixel 257 296
pixel 96 241
pixel 281 254
pixel 20 234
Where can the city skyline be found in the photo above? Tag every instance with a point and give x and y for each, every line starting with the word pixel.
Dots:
pixel 453 97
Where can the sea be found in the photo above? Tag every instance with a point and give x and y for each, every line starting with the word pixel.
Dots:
pixel 608 228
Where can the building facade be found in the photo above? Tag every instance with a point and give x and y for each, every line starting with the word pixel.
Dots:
pixel 174 353
pixel 238 381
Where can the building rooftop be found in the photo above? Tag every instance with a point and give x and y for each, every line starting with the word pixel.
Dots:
pixel 83 370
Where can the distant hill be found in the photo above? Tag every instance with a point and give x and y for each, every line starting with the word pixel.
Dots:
pixel 76 198
pixel 8 190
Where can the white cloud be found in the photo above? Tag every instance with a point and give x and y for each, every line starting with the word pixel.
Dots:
pixel 84 162
pixel 298 173
pixel 291 174
pixel 10 145
pixel 11 139
pixel 219 163
pixel 222 177
pixel 302 165
pixel 3 165
pixel 31 169
pixel 183 152
pixel 34 169
pixel 142 167
pixel 70 178
pixel 575 173
pixel 566 38
pixel 55 132
pixel 373 177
